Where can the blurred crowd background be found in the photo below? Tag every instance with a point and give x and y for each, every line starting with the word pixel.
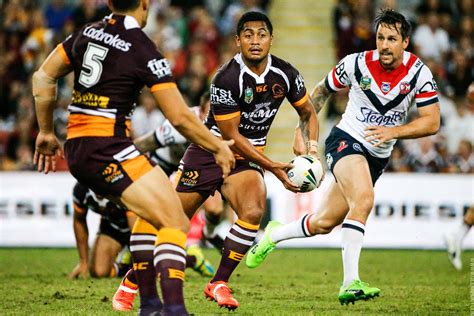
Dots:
pixel 197 36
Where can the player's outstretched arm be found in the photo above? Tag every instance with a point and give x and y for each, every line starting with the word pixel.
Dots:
pixel 230 130
pixel 81 232
pixel 44 86
pixel 426 124
pixel 174 108
pixel 319 96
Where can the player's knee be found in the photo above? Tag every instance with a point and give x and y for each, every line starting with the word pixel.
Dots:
pixel 364 202
pixel 99 272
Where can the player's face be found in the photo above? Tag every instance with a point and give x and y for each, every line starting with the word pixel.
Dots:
pixel 390 46
pixel 254 41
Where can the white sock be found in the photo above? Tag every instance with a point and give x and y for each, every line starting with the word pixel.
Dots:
pixel 461 232
pixel 295 229
pixel 352 236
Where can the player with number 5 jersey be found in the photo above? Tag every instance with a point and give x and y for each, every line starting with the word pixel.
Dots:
pixel 112 61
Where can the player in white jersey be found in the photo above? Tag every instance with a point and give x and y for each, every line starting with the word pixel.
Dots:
pixel 383 85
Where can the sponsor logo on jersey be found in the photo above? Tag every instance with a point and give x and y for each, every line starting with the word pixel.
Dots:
pixel 221 96
pixel 189 177
pixel 342 145
pixel 405 87
pixel 112 173
pixel 357 147
pixel 248 95
pixel 107 38
pixel 299 83
pixel 365 83
pixel 329 160
pixel 278 91
pixel 370 116
pixel 385 87
pixel 261 88
pixel 89 99
pixel 160 67
pixel 261 113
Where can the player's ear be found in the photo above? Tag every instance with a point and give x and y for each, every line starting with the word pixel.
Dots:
pixel 109 4
pixel 406 41
pixel 144 4
pixel 237 40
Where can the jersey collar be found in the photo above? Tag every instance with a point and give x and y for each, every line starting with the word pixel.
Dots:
pixel 243 67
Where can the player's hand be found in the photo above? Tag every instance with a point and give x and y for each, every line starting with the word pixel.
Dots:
pixel 377 135
pixel 81 270
pixel 280 170
pixel 47 150
pixel 225 157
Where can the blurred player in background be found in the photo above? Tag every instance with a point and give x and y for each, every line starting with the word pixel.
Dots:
pixel 112 60
pixel 454 239
pixel 113 235
pixel 246 94
pixel 383 83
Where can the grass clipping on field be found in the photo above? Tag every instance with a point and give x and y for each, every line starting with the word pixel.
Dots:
pixel 290 282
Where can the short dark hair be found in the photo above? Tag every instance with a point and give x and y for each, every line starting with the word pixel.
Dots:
pixel 253 16
pixel 125 5
pixel 392 18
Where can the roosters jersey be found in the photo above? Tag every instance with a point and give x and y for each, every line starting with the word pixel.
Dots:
pixel 112 60
pixel 237 91
pixel 378 97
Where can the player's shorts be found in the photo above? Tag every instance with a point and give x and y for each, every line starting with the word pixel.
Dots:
pixel 340 144
pixel 107 165
pixel 199 172
pixel 119 233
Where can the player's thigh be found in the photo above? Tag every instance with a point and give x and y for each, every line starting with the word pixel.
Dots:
pixel 330 210
pixel 214 204
pixel 246 193
pixel 104 252
pixel 191 201
pixel 352 174
pixel 152 198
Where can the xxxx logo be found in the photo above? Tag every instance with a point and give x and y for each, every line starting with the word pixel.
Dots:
pixel 112 173
pixel 190 177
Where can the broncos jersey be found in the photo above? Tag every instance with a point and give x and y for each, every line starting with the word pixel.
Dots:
pixel 112 60
pixel 378 97
pixel 85 199
pixel 237 91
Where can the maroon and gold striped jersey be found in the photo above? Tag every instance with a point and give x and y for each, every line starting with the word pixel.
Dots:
pixel 113 60
pixel 237 91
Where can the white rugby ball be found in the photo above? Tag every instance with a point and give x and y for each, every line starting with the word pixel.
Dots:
pixel 306 173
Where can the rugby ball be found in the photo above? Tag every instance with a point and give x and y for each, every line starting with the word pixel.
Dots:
pixel 306 173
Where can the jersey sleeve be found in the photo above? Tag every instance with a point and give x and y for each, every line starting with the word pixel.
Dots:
pixel 339 77
pixel 224 96
pixel 65 48
pixel 426 88
pixel 153 68
pixel 78 197
pixel 297 94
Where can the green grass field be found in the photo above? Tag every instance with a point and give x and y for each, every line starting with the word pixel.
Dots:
pixel 291 282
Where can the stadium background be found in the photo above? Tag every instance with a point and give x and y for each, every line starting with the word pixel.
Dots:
pixel 198 36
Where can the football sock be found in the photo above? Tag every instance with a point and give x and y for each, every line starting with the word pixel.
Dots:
pixel 190 261
pixel 142 244
pixel 461 232
pixel 295 229
pixel 236 244
pixel 352 236
pixel 170 262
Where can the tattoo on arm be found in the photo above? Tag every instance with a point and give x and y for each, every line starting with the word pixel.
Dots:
pixel 319 96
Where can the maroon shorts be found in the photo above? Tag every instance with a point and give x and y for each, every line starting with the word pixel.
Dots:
pixel 199 172
pixel 106 165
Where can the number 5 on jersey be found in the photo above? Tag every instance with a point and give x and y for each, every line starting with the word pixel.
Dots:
pixel 92 63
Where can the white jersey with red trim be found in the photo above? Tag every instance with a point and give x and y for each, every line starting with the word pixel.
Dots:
pixel 378 97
